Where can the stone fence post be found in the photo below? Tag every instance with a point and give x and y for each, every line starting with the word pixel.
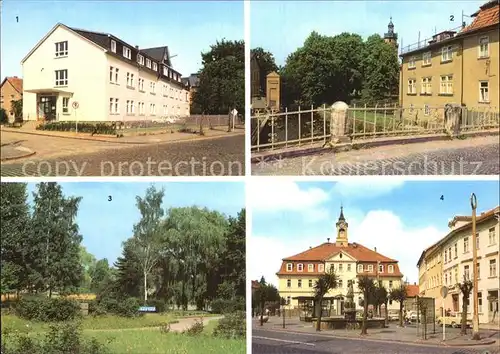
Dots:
pixel 452 118
pixel 338 123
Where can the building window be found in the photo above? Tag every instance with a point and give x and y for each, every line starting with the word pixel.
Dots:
pixel 412 87
pixel 62 77
pixel 116 75
pixel 141 84
pixel 456 274
pixel 370 268
pixel 141 108
pixel 426 88
pixel 456 250
pixel 446 85
pixel 484 92
pixel 466 244
pixel 480 302
pixel 466 272
pixel 152 109
pixel 140 59
pixel 446 53
pixel 478 271
pixel 484 47
pixel 310 267
pixel 300 267
pixel 310 283
pixel 321 268
pixel 155 67
pixel 341 284
pixel 449 253
pixel 127 53
pixel 390 284
pixel 130 80
pixel 391 268
pixel 446 279
pixel 380 268
pixel 152 86
pixel 65 104
pixel 130 107
pixel 111 71
pixel 113 106
pixel 148 63
pixel 493 267
pixel 299 283
pixel 288 283
pixel 427 110
pixel 491 236
pixel 62 49
pixel 360 268
pixel 411 63
pixel 113 46
pixel 426 58
pixel 341 266
pixel 477 241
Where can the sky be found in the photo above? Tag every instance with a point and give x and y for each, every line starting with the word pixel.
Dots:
pixel 105 224
pixel 400 218
pixel 187 27
pixel 282 26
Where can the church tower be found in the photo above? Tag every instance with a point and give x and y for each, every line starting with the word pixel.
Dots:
pixel 342 225
pixel 390 37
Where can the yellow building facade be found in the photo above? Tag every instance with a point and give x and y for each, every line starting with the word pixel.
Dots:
pixel 455 67
pixel 350 261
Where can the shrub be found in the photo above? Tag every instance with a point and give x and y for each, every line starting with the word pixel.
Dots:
pixel 227 306
pixel 4 118
pixel 233 325
pixel 48 309
pixel 158 303
pixel 196 328
pixel 127 308
pixel 61 339
pixel 92 128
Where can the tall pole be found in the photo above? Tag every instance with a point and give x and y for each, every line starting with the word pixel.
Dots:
pixel 475 318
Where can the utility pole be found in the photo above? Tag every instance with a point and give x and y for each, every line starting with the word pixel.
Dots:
pixel 475 318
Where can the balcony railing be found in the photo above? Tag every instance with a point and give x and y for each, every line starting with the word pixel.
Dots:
pixel 425 42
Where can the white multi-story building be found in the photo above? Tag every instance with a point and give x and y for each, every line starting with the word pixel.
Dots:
pixel 456 254
pixel 74 74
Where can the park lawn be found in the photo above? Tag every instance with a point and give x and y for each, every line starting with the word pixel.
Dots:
pixel 91 323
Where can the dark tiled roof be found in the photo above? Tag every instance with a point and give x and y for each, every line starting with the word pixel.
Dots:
pixel 98 38
pixel 192 80
pixel 158 53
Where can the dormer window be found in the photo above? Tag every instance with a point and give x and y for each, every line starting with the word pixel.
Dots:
pixel 370 268
pixel 62 49
pixel 127 53
pixel 360 268
pixel 155 66
pixel 321 268
pixel 380 268
pixel 113 46
pixel 391 268
pixel 289 267
pixel 140 59
pixel 148 63
pixel 310 267
pixel 300 267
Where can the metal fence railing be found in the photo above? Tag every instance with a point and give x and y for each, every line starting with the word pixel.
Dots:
pixel 480 118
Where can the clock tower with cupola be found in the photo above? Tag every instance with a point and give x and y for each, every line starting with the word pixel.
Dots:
pixel 342 226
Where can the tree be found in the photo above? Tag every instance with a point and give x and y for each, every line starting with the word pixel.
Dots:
pixel 16 237
pixel 129 278
pixel 367 286
pixel 146 242
pixel 100 275
pixel 56 240
pixel 466 289
pixel 267 64
pixel 381 298
pixel 4 118
pixel 88 263
pixel 399 294
pixel 380 67
pixel 222 78
pixel 17 109
pixel 322 286
pixel 265 293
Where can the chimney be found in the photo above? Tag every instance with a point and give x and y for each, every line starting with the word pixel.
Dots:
pixel 375 249
pixel 137 47
pixel 414 283
pixel 328 240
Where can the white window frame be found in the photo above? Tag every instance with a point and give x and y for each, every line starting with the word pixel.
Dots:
pixel 426 86
pixel 310 283
pixel 113 46
pixel 153 87
pixel 492 236
pixel 113 106
pixel 141 84
pixel 310 267
pixel 360 268
pixel 117 72
pixel 111 74
pixel 341 266
pixel 391 268
pixel 427 110
pixel 148 63
pixel 380 268
pixel 117 106
pixel 446 54
pixel 412 86
pixel 65 105
pixel 300 267
pixel 466 244
pixel 467 272
pixel 412 62
pixel 61 49
pixel 299 283
pixel 483 54
pixel 289 283
pixel 427 59
pixel 493 267
pixel 127 52
pixel 370 268
pixel 446 85
pixel 484 90
pixel 61 77
pixel 321 268
pixel 155 66
pixel 140 59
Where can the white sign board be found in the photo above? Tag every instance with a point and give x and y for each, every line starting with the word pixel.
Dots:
pixel 234 112
pixel 75 105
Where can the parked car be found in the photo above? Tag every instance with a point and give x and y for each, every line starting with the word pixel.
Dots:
pixel 393 316
pixel 453 320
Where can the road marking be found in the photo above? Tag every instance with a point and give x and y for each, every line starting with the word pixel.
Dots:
pixel 284 340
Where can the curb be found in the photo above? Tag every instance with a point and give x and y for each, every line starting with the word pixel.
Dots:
pixel 103 140
pixel 418 342
pixel 359 145
pixel 18 157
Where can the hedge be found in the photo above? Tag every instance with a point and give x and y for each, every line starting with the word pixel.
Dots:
pixel 92 128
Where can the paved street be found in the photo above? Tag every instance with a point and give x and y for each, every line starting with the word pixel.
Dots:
pixel 272 342
pixel 477 156
pixel 209 157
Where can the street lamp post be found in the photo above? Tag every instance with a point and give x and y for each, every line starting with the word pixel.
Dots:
pixel 475 318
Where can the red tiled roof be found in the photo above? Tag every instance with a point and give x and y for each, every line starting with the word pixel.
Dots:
pixel 255 284
pixel 16 82
pixel 323 252
pixel 412 290
pixel 487 16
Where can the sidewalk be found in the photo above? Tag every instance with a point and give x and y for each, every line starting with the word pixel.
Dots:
pixel 391 334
